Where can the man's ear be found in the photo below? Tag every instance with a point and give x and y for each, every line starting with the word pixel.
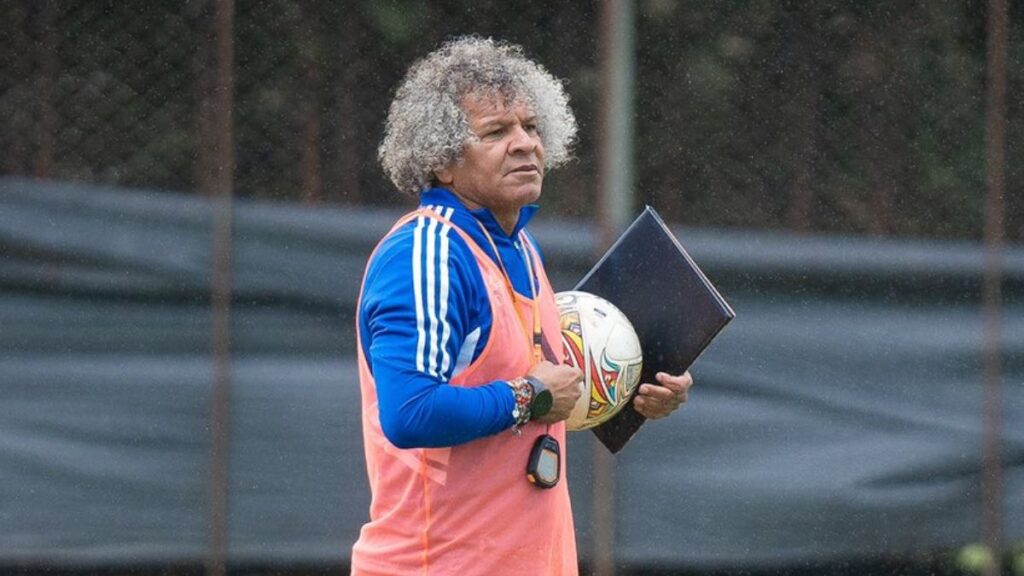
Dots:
pixel 444 176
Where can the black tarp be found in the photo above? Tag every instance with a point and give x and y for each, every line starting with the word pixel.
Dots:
pixel 838 417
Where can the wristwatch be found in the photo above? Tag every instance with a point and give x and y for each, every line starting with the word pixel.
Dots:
pixel 542 398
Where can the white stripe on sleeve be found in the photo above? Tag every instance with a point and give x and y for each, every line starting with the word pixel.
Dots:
pixel 431 302
pixel 446 328
pixel 431 288
pixel 417 274
pixel 467 351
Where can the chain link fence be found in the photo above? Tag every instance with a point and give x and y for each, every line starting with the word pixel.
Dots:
pixel 834 117
pixel 843 118
pixel 101 92
pixel 114 92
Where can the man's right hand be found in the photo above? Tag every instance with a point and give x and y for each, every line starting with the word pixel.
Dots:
pixel 564 383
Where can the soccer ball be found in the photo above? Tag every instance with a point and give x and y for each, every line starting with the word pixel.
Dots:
pixel 600 341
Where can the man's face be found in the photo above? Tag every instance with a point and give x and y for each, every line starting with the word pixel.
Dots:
pixel 503 168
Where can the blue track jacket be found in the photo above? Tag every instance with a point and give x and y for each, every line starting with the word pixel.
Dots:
pixel 415 340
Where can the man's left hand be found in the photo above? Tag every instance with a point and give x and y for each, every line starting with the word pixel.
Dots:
pixel 655 402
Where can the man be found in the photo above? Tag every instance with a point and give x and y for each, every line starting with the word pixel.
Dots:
pixel 458 328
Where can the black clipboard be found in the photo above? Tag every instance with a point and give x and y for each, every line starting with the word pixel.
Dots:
pixel 675 310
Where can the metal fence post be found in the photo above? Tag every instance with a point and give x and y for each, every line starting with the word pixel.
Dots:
pixel 220 288
pixel 615 179
pixel 995 188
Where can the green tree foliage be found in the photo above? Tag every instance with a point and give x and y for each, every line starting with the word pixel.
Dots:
pixel 839 116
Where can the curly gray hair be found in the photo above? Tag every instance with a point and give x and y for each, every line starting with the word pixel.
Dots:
pixel 427 127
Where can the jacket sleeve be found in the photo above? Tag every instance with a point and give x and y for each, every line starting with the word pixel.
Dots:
pixel 420 314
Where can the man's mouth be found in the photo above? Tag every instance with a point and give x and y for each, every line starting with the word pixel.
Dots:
pixel 524 168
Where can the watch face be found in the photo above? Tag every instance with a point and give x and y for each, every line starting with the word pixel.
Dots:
pixel 542 403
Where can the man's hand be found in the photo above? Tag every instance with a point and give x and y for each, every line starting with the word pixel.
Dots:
pixel 659 401
pixel 564 383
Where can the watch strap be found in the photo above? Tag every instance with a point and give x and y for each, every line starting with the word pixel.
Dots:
pixel 523 392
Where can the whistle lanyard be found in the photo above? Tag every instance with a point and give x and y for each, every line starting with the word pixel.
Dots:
pixel 536 335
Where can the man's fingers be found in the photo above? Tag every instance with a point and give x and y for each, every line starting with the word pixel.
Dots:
pixel 651 408
pixel 680 383
pixel 654 401
pixel 662 393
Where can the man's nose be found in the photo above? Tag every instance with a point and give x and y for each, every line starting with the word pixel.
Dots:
pixel 522 141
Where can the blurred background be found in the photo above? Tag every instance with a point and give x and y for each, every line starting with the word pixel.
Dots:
pixel 189 191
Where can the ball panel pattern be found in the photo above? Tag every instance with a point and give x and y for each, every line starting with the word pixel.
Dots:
pixel 599 340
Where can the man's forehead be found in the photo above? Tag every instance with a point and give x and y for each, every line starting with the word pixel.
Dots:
pixel 484 107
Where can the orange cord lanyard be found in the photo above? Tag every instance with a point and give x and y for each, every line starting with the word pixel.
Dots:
pixel 538 353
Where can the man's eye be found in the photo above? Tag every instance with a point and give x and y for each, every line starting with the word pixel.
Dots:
pixel 531 128
pixel 495 133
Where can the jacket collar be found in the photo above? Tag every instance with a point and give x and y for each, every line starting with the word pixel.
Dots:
pixel 446 198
